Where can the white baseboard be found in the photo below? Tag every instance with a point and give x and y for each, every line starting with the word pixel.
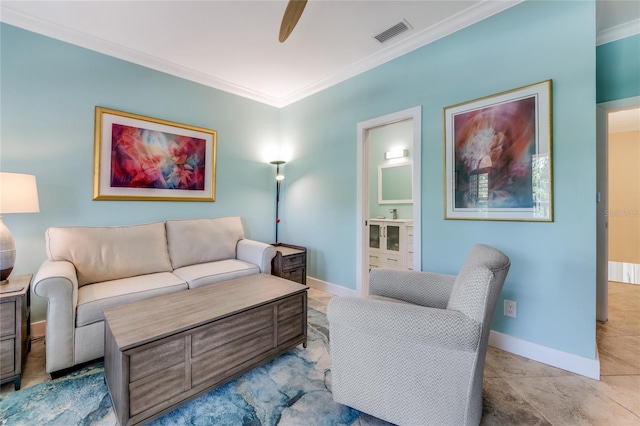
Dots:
pixel 624 272
pixel 331 288
pixel 38 329
pixel 553 357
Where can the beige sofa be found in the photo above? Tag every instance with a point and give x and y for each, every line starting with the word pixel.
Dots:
pixel 91 268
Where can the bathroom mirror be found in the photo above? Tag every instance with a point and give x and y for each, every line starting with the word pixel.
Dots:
pixel 395 183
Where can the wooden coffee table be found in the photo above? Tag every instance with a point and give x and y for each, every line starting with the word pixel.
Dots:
pixel 164 351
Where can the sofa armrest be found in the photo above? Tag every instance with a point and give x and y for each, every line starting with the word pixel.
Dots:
pixel 380 319
pixel 257 253
pixel 421 288
pixel 58 283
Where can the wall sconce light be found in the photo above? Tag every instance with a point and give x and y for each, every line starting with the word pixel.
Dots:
pixel 279 179
pixel 399 153
pixel 18 194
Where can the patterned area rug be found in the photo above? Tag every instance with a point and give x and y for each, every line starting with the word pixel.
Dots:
pixel 293 389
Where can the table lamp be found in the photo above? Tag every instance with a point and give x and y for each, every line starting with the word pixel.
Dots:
pixel 18 194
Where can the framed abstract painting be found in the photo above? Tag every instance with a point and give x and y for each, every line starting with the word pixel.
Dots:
pixel 144 158
pixel 497 157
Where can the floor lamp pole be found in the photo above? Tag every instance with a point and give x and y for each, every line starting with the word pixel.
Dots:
pixel 279 178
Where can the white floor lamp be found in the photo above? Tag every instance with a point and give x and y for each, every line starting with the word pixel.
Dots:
pixel 18 194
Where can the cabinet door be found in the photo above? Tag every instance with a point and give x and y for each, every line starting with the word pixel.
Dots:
pixel 393 238
pixel 374 235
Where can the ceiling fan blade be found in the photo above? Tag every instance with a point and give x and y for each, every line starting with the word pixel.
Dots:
pixel 292 14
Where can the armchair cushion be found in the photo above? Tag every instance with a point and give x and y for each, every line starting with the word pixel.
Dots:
pixel 417 287
pixel 203 240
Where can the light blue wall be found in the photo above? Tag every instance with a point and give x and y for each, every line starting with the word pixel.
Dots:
pixel 381 139
pixel 50 89
pixel 553 264
pixel 49 92
pixel 618 69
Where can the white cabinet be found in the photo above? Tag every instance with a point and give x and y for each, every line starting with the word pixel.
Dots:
pixel 391 243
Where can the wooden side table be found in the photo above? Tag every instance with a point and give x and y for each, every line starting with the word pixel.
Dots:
pixel 290 263
pixel 15 327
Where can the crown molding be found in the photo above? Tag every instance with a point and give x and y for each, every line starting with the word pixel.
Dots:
pixel 59 32
pixel 457 22
pixel 618 32
pixel 444 28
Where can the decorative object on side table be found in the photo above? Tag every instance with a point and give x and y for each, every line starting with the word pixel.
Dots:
pixel 290 263
pixel 15 327
pixel 18 194
pixel 498 162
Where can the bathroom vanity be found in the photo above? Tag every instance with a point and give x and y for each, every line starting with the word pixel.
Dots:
pixel 391 243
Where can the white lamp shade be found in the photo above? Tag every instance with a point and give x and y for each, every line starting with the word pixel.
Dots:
pixel 18 193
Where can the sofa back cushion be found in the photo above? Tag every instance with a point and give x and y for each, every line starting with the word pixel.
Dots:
pixel 108 253
pixel 203 240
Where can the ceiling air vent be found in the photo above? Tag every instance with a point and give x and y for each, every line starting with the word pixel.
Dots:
pixel 397 29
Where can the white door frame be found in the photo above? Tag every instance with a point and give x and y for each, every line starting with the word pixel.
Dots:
pixel 362 208
pixel 602 187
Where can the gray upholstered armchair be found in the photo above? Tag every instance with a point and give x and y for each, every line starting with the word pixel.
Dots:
pixel 413 352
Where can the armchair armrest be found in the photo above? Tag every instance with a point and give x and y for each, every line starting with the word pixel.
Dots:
pixel 257 253
pixel 58 283
pixel 389 320
pixel 421 288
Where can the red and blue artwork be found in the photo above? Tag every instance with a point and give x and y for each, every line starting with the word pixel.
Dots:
pixel 142 158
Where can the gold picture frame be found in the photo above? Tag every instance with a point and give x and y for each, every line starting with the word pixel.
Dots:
pixel 149 159
pixel 498 162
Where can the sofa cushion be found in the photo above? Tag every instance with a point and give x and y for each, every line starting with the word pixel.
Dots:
pixel 214 272
pixel 109 253
pixel 94 298
pixel 203 240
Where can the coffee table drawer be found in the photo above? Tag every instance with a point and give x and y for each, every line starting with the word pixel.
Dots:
pixel 156 389
pixel 229 329
pixel 156 358
pixel 230 358
pixel 291 328
pixel 290 307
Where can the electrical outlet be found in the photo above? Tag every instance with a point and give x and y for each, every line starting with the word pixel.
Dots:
pixel 510 308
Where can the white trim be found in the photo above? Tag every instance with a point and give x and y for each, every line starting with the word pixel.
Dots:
pixel 449 26
pixel 618 32
pixel 457 22
pixel 624 272
pixel 38 329
pixel 564 360
pixel 49 29
pixel 330 288
pixel 362 195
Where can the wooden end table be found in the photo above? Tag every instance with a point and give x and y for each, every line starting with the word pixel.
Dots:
pixel 15 327
pixel 290 263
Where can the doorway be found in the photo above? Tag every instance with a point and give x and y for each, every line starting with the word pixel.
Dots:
pixel 604 213
pixel 411 118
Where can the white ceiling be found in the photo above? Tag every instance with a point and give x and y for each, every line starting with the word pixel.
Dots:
pixel 233 45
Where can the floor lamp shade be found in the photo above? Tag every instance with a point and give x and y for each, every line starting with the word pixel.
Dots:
pixel 18 194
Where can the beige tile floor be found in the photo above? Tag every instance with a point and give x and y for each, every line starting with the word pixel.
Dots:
pixel 518 391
